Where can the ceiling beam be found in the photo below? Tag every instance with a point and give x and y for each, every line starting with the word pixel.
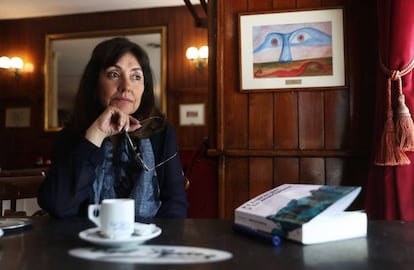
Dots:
pixel 199 21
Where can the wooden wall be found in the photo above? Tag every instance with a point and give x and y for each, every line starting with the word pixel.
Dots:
pixel 20 147
pixel 306 136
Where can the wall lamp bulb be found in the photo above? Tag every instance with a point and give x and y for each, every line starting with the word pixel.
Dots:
pixel 199 57
pixel 15 63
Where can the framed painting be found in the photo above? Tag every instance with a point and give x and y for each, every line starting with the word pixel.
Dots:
pixel 192 114
pixel 18 117
pixel 292 50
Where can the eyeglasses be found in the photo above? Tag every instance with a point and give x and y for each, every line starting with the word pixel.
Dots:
pixel 138 154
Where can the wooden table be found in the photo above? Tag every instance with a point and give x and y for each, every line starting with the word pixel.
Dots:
pixel 389 245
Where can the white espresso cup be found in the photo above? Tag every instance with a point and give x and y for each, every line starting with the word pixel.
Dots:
pixel 114 217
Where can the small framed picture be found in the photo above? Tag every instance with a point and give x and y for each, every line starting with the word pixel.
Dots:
pixel 18 117
pixel 295 49
pixel 192 114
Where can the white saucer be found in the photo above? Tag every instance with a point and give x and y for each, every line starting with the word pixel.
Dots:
pixel 14 223
pixel 142 233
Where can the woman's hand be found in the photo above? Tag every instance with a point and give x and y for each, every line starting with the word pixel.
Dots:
pixel 112 121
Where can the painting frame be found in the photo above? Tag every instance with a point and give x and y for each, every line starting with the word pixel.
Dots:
pixel 315 37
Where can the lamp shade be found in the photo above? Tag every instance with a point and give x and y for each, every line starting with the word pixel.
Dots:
pixel 4 62
pixel 16 62
pixel 192 53
pixel 203 52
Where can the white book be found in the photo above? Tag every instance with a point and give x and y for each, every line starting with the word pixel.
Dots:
pixel 308 214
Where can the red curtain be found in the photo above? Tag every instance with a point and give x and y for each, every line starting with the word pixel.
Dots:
pixel 390 189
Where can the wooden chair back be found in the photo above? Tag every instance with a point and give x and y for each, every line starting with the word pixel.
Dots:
pixel 19 184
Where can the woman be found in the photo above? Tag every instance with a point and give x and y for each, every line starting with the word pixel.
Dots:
pixel 93 156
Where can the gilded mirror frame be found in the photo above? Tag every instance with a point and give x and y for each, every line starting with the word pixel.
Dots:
pixel 51 121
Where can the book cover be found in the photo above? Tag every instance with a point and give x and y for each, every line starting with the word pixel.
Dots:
pixel 308 214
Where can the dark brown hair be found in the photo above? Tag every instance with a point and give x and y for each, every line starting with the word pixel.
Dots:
pixel 87 106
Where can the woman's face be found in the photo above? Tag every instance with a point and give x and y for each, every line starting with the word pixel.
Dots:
pixel 122 84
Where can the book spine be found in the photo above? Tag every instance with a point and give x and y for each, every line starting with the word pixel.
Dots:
pixel 256 222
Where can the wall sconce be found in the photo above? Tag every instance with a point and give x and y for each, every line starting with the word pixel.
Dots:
pixel 15 64
pixel 199 57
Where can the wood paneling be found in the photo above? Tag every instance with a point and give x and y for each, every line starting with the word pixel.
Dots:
pixel 318 136
pixel 311 120
pixel 237 180
pixel 26 37
pixel 260 120
pixel 286 120
pixel 286 170
pixel 336 105
pixel 260 175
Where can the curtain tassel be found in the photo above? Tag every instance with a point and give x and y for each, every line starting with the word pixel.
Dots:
pixel 397 139
pixel 389 154
pixel 404 126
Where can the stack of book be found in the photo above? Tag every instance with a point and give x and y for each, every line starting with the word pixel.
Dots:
pixel 308 214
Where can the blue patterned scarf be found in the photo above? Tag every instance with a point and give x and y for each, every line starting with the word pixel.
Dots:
pixel 121 176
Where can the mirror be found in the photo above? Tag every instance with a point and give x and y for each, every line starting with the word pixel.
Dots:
pixel 67 55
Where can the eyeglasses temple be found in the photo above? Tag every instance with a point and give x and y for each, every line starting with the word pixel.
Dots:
pixel 137 154
pixel 130 143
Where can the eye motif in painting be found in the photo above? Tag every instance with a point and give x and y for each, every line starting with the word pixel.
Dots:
pixel 305 51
